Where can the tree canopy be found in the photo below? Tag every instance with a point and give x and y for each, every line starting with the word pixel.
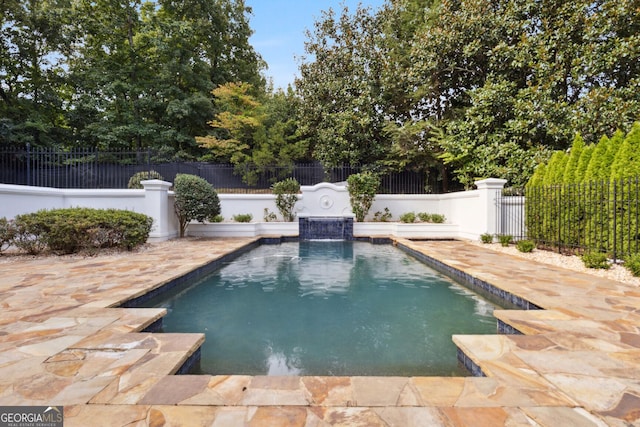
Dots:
pixel 119 73
pixel 460 89
pixel 486 88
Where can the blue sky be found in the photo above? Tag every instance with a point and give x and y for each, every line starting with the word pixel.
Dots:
pixel 279 27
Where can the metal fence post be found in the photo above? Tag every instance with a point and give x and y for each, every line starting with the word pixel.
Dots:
pixel 28 164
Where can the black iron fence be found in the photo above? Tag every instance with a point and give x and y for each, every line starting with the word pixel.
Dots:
pixel 590 217
pixel 90 168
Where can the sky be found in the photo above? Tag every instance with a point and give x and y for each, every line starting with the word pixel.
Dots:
pixel 279 27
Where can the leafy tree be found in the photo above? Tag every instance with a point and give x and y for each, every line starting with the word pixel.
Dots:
pixel 33 47
pixel 240 116
pixel 196 200
pixel 341 90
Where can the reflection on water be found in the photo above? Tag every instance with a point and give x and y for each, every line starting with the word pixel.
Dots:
pixel 328 308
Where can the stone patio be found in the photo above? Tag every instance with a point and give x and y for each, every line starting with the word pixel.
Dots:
pixel 63 341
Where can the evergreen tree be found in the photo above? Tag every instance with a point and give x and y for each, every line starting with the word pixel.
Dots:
pixel 597 170
pixel 626 162
pixel 571 167
pixel 583 163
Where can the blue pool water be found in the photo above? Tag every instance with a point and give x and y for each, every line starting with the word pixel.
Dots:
pixel 328 308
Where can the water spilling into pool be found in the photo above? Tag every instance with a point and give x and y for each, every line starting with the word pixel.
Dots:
pixel 328 308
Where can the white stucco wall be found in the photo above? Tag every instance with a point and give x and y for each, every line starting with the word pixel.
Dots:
pixel 468 214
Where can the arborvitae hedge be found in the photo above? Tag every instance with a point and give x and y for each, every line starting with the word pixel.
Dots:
pixel 589 198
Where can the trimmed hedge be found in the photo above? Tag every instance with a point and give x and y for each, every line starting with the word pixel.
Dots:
pixel 587 199
pixel 66 231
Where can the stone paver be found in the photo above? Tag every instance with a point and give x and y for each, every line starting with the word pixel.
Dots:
pixel 64 341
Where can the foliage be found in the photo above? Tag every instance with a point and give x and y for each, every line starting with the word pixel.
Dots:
pixel 251 133
pixel 483 88
pixel 216 218
pixel 136 179
pixel 588 206
pixel 596 260
pixel 340 90
pixel 362 188
pixel 243 217
pixel 382 216
pixel 505 239
pixel 286 192
pixel 632 263
pixel 71 230
pixel 119 74
pixel 437 218
pixel 269 216
pixel 408 217
pixel 196 200
pixel 7 233
pixel 424 216
pixel 486 238
pixel 525 245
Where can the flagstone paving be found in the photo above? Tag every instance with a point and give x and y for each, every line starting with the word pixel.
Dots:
pixel 65 341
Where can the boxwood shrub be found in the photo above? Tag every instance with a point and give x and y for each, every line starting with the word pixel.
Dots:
pixel 71 230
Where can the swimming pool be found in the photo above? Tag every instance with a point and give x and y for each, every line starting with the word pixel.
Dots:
pixel 327 308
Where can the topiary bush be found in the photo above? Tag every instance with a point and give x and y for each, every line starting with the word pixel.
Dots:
pixel 362 189
pixel 66 231
pixel 196 200
pixel 286 192
pixel 525 245
pixel 596 260
pixel 135 182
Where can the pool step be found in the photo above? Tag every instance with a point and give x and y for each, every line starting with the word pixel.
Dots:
pixel 135 361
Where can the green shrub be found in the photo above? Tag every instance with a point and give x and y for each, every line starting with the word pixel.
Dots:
pixel 362 189
pixel 408 217
pixel 30 233
pixel 136 179
pixel 525 245
pixel 596 260
pixel 243 218
pixel 196 199
pixel 7 233
pixel 486 238
pixel 286 192
pixel 382 216
pixel 217 218
pixel 66 231
pixel 437 218
pixel 424 217
pixel 632 263
pixel 505 239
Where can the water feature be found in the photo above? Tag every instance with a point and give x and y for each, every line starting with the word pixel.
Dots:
pixel 325 228
pixel 327 308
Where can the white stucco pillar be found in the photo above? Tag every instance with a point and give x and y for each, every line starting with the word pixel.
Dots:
pixel 489 189
pixel 156 205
